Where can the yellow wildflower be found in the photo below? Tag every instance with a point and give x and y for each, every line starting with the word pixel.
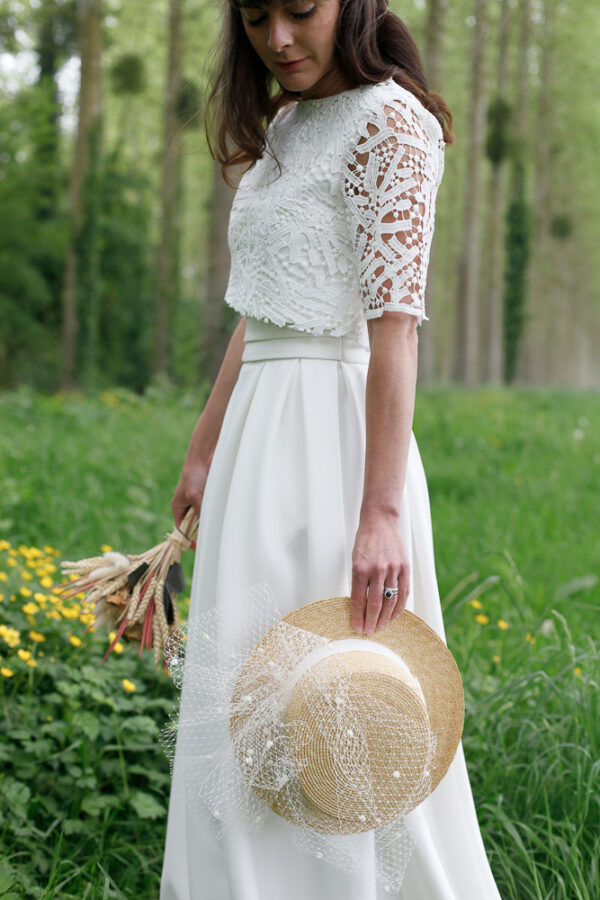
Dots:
pixel 8 673
pixel 11 561
pixel 46 581
pixel 26 576
pixel 53 614
pixel 529 638
pixel 31 662
pixel 25 592
pixel 502 624
pixel 71 612
pixel 3 576
pixel 13 552
pixel 128 685
pixel 48 549
pixel 483 620
pixel 30 608
pixel 476 604
pixel 11 636
pixel 577 670
pixel 496 659
pixel 36 636
pixel 31 563
pixel 118 648
pixel 23 654
pixel 75 640
pixel 106 548
pixel 4 545
pixel 41 598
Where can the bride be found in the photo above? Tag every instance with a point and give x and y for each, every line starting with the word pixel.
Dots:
pixel 303 465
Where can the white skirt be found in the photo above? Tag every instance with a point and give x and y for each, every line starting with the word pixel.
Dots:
pixel 281 505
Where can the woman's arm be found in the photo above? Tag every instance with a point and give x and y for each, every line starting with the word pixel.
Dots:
pixel 379 555
pixel 190 488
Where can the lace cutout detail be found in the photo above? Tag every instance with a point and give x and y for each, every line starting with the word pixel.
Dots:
pixel 390 185
pixel 342 231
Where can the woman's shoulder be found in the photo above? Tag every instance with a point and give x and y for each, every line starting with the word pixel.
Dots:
pixel 388 104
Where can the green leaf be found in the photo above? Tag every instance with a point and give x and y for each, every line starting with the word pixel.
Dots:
pixel 7 879
pixel 16 794
pixel 146 806
pixel 141 725
pixel 88 723
pixel 94 804
pixel 72 826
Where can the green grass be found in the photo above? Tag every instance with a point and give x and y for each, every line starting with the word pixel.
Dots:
pixel 513 481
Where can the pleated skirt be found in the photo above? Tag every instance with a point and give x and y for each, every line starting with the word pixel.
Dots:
pixel 281 505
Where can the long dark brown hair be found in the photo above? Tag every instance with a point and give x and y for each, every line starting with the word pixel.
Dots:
pixel 372 44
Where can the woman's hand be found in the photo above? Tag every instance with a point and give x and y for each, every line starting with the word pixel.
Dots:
pixel 379 559
pixel 190 487
pixel 189 490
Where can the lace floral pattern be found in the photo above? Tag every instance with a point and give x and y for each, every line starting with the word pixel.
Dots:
pixel 390 186
pixel 343 231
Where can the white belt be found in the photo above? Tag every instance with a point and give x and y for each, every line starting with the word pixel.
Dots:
pixel 265 340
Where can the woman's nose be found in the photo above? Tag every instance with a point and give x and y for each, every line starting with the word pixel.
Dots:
pixel 280 34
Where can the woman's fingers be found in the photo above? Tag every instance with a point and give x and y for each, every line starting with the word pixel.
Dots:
pixel 388 605
pixel 374 603
pixel 357 599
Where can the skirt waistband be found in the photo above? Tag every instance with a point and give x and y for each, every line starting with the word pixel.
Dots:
pixel 265 340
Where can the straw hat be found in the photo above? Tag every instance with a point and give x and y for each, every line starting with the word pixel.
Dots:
pixel 369 724
pixel 298 716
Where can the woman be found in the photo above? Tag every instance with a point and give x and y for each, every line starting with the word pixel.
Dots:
pixel 303 465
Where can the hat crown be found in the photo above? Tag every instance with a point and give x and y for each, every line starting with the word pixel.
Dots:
pixel 377 654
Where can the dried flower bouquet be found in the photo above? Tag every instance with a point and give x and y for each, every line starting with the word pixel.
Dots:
pixel 134 594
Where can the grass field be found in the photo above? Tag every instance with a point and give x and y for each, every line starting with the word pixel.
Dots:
pixel 513 478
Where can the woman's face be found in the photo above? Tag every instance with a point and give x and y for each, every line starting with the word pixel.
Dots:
pixel 296 30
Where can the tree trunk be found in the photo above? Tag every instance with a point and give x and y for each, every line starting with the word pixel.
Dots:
pixel 435 29
pixel 215 335
pixel 467 326
pixel 492 334
pixel 88 131
pixel 167 249
pixel 537 366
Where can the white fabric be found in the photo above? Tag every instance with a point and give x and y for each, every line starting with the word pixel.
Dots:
pixel 344 230
pixel 357 645
pixel 281 505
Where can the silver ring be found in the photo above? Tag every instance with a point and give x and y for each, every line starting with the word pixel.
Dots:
pixel 388 592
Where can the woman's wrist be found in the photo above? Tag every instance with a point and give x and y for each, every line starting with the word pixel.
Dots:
pixel 388 509
pixel 203 443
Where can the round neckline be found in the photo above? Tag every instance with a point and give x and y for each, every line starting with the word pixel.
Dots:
pixel 314 101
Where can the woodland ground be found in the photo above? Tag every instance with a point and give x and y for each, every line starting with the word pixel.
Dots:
pixel 513 478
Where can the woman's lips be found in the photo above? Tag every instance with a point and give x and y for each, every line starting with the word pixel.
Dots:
pixel 291 65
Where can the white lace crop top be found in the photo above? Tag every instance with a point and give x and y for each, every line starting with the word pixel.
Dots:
pixel 344 231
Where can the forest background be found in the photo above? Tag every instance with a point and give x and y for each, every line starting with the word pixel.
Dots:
pixel 113 233
pixel 113 267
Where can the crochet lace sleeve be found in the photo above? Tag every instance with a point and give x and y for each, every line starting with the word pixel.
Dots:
pixel 389 191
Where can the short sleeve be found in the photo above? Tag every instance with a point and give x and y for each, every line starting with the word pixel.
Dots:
pixel 390 186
